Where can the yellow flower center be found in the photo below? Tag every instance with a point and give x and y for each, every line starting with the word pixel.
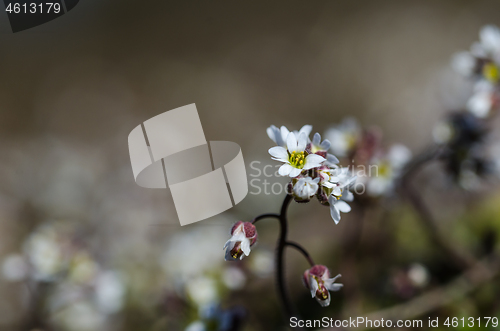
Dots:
pixel 491 72
pixel 384 169
pixel 236 251
pixel 297 159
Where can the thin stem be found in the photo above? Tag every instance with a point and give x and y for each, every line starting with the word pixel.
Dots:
pixel 302 250
pixel 280 259
pixel 268 215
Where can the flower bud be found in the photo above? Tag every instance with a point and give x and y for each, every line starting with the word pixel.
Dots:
pixel 243 237
pixel 318 281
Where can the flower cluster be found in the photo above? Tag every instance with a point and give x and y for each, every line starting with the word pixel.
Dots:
pixel 313 171
pixel 465 134
pixel 482 63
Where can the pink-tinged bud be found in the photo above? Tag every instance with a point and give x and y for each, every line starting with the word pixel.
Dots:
pixel 317 280
pixel 243 237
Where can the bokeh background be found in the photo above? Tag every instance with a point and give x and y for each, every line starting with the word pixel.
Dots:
pixel 82 247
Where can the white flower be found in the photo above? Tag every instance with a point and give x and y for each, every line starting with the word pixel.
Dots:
pixel 203 290
pixel 279 136
pixel 294 156
pixel 443 132
pixel 243 237
pixel 337 206
pixel 305 188
pixel 318 281
pixel 464 63
pixel 481 103
pixel 44 253
pixel 196 326
pixel 490 40
pixel 398 156
pixel 388 167
pixel 339 185
pixel 419 275
pixel 319 146
pixel 110 292
pixel 234 278
pixel 344 137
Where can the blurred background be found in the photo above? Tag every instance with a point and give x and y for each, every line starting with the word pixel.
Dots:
pixel 82 247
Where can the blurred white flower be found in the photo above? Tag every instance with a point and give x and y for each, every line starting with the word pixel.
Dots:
pixel 419 275
pixel 294 157
pixel 389 167
pixel 80 316
pixel 344 137
pixel 83 268
pixel 203 290
pixel 182 258
pixel 262 263
pixel 464 63
pixel 15 268
pixel 44 253
pixel 110 292
pixel 481 103
pixel 196 326
pixel 443 132
pixel 489 37
pixel 234 278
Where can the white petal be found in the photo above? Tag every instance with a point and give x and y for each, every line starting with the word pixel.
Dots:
pixel 324 303
pixel 328 184
pixel 337 191
pixel 291 142
pixel 294 172
pixel 229 243
pixel 313 161
pixel 275 135
pixel 347 195
pixel 332 159
pixel 313 286
pixel 285 169
pixel 325 145
pixel 270 133
pixel 302 143
pixel 343 206
pixel 334 179
pixel 284 134
pixel 306 129
pixel 279 153
pixel 334 212
pixel 245 246
pixel 316 139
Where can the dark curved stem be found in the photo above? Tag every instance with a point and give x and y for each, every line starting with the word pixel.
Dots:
pixel 269 215
pixel 280 259
pixel 302 250
pixel 280 255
